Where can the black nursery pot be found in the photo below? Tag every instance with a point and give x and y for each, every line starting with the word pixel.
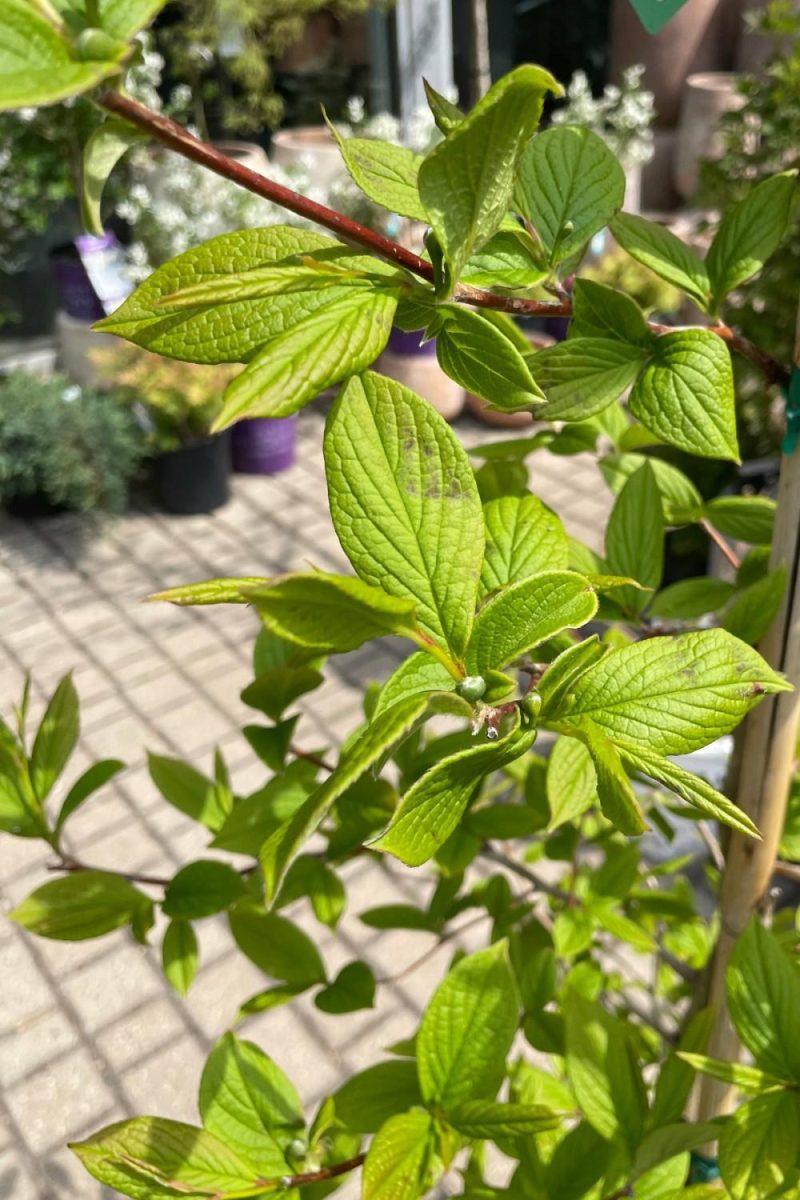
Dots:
pixel 195 478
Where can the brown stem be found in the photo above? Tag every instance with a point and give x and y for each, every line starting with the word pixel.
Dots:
pixel 316 759
pixel 73 865
pixel 719 540
pixel 351 1164
pixel 524 872
pixel 176 138
pixel 788 870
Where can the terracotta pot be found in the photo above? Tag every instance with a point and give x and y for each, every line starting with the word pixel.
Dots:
pixel 707 97
pixel 249 154
pixel 416 366
pixel 76 343
pixel 312 146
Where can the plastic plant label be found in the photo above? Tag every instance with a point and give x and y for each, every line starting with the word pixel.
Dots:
pixel 654 14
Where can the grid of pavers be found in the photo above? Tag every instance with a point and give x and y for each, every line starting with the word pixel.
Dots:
pixel 90 1032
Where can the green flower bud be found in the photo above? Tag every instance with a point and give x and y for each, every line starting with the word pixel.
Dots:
pixel 95 45
pixel 532 705
pixel 472 688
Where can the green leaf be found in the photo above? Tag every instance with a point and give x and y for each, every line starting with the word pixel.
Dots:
pixel 338 340
pixel 37 66
pixel 477 355
pixel 417 674
pixel 502 821
pixel 673 695
pixel 599 311
pixel 410 522
pixel 753 609
pixel 180 955
pixel 331 612
pixel 250 1105
pixel 154 1151
pixel 690 599
pixel 352 989
pixel 399 1160
pixel 55 739
pixel 201 889
pixel 693 790
pixel 507 262
pixel 92 779
pixel 374 742
pixel 386 173
pixel 275 945
pixel 311 877
pixel 273 691
pixel 255 817
pixel 273 997
pixel 655 247
pixel 660 1145
pixel 104 149
pixel 446 114
pixel 559 677
pixel 569 186
pixel 526 613
pixel 187 790
pixel 370 1098
pixel 467 1030
pixel 635 538
pixel 676 1078
pixel 124 18
pixel 523 537
pixel 583 375
pixel 489 1119
pixel 465 183
pixel 272 742
pixel 83 905
pixel 432 808
pixel 747 1079
pixel 759 1146
pixel 210 591
pixel 746 518
pixel 226 332
pixel 685 394
pixel 614 792
pixel 749 233
pixel 602 1069
pixel 763 990
pixel 681 501
pixel 571 782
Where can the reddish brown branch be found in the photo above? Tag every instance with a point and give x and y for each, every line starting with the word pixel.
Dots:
pixel 719 540
pixel 176 138
pixel 342 1168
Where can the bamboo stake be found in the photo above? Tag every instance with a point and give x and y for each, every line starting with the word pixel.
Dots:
pixel 767 764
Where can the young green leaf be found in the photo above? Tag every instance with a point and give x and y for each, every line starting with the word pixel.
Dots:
pixel 614 792
pixel 386 173
pixel 336 341
pixel 661 1145
pixel 249 1104
pixel 400 1158
pixel 673 695
pixel 523 537
pixel 635 538
pixel 153 1153
pixel 680 499
pixel 431 810
pixel 749 233
pixel 599 311
pixel 311 877
pixel 583 375
pixel 754 608
pixel 417 674
pixel 685 394
pixel 84 905
pixel 566 668
pixel 656 247
pixel 676 1078
pixel 691 788
pixel 746 1078
pixel 508 261
pixel 569 185
pixel 253 818
pixel 465 183
pixel 602 1069
pixel 273 691
pixel 187 790
pixel 92 779
pixel 477 355
pixel 467 1030
pixel 104 149
pixel 522 615
pixel 571 781
pixel 275 945
pixel 335 613
pixel 489 1119
pixel 370 1098
pixel 410 522
pixel 759 1146
pixel 201 889
pixel 180 955
pixel 124 18
pixel 353 989
pixel 746 518
pixel 690 599
pixel 763 990
pixel 210 591
pixel 446 114
pixel 55 739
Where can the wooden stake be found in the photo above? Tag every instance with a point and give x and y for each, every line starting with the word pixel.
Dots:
pixel 767 765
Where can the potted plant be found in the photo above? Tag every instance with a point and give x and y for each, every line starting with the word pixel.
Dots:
pixel 176 407
pixel 63 447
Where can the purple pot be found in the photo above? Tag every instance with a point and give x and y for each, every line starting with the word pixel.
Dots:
pixel 89 278
pixel 264 445
pixel 409 343
pixel 76 295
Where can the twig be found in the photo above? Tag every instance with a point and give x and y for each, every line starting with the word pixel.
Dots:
pixel 524 872
pixel 416 963
pixel 342 1168
pixel 316 759
pixel 176 138
pixel 719 540
pixel 714 848
pixel 687 973
pixel 788 870
pixel 73 865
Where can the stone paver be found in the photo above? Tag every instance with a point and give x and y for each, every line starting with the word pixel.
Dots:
pixel 90 1033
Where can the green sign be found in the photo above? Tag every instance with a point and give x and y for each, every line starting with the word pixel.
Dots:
pixel 654 14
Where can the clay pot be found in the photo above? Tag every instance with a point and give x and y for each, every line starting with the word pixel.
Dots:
pixel 312 146
pixel 508 420
pixel 417 367
pixel 707 97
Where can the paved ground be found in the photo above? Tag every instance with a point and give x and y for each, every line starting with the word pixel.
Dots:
pixel 90 1033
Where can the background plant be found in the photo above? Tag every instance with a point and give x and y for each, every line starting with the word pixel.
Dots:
pixel 518 635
